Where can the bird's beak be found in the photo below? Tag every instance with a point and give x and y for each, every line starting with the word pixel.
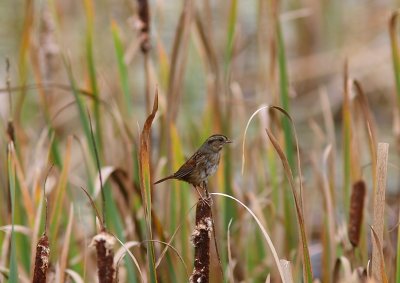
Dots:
pixel 228 141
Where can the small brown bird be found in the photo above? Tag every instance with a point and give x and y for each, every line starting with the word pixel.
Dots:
pixel 203 163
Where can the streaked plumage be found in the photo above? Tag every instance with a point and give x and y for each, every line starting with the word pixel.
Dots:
pixel 202 164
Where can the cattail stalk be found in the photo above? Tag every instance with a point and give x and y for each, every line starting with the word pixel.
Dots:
pixel 201 241
pixel 144 16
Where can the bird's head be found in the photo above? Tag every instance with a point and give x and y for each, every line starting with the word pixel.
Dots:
pixel 216 142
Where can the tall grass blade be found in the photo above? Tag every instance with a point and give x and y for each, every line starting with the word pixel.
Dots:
pixel 288 172
pixel 381 277
pixel 81 108
pixel 284 90
pixel 122 68
pixel 27 200
pixel 379 210
pixel 97 159
pixel 231 277
pixel 111 207
pixel 208 49
pixel 178 62
pixel 229 210
pixel 181 193
pixel 66 247
pixel 13 274
pixel 146 185
pixel 23 60
pixel 74 275
pixel 89 9
pixel 346 116
pixel 329 244
pixel 263 230
pixel 330 129
pixel 45 70
pixel 370 127
pixel 398 252
pixel 308 277
pixel 262 107
pixel 55 216
pixel 115 222
pixel 121 253
pixel 232 18
pixel 284 99
pixel 395 52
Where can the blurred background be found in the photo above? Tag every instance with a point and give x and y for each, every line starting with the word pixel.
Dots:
pixel 214 63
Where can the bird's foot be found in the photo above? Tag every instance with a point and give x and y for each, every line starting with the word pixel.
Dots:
pixel 207 198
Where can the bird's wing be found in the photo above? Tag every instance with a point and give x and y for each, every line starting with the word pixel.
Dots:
pixel 189 166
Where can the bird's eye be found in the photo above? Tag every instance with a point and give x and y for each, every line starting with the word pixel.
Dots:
pixel 221 139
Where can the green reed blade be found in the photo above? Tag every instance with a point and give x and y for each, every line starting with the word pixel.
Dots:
pixel 13 275
pixel 395 52
pixel 398 253
pixel 122 68
pixel 284 95
pixel 92 70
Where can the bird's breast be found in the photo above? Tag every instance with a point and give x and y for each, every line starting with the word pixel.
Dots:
pixel 212 165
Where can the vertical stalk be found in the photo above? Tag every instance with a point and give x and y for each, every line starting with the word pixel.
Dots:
pixel 144 16
pixel 201 237
pixel 145 166
pixel 284 95
pixel 379 212
pixel 13 276
pixel 346 142
pixel 92 70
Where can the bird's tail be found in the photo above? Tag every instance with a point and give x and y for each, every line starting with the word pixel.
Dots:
pixel 164 179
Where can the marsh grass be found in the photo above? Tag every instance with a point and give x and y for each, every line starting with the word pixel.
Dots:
pixel 303 205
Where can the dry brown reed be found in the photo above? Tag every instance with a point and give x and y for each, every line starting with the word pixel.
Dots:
pixel 178 60
pixel 10 124
pixel 145 45
pixel 42 256
pixel 379 210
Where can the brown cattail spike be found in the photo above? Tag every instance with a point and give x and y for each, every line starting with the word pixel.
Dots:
pixel 356 211
pixel 144 16
pixel 104 243
pixel 11 131
pixel 201 240
pixel 42 260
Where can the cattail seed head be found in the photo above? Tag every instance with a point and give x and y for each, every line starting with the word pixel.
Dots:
pixel 356 212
